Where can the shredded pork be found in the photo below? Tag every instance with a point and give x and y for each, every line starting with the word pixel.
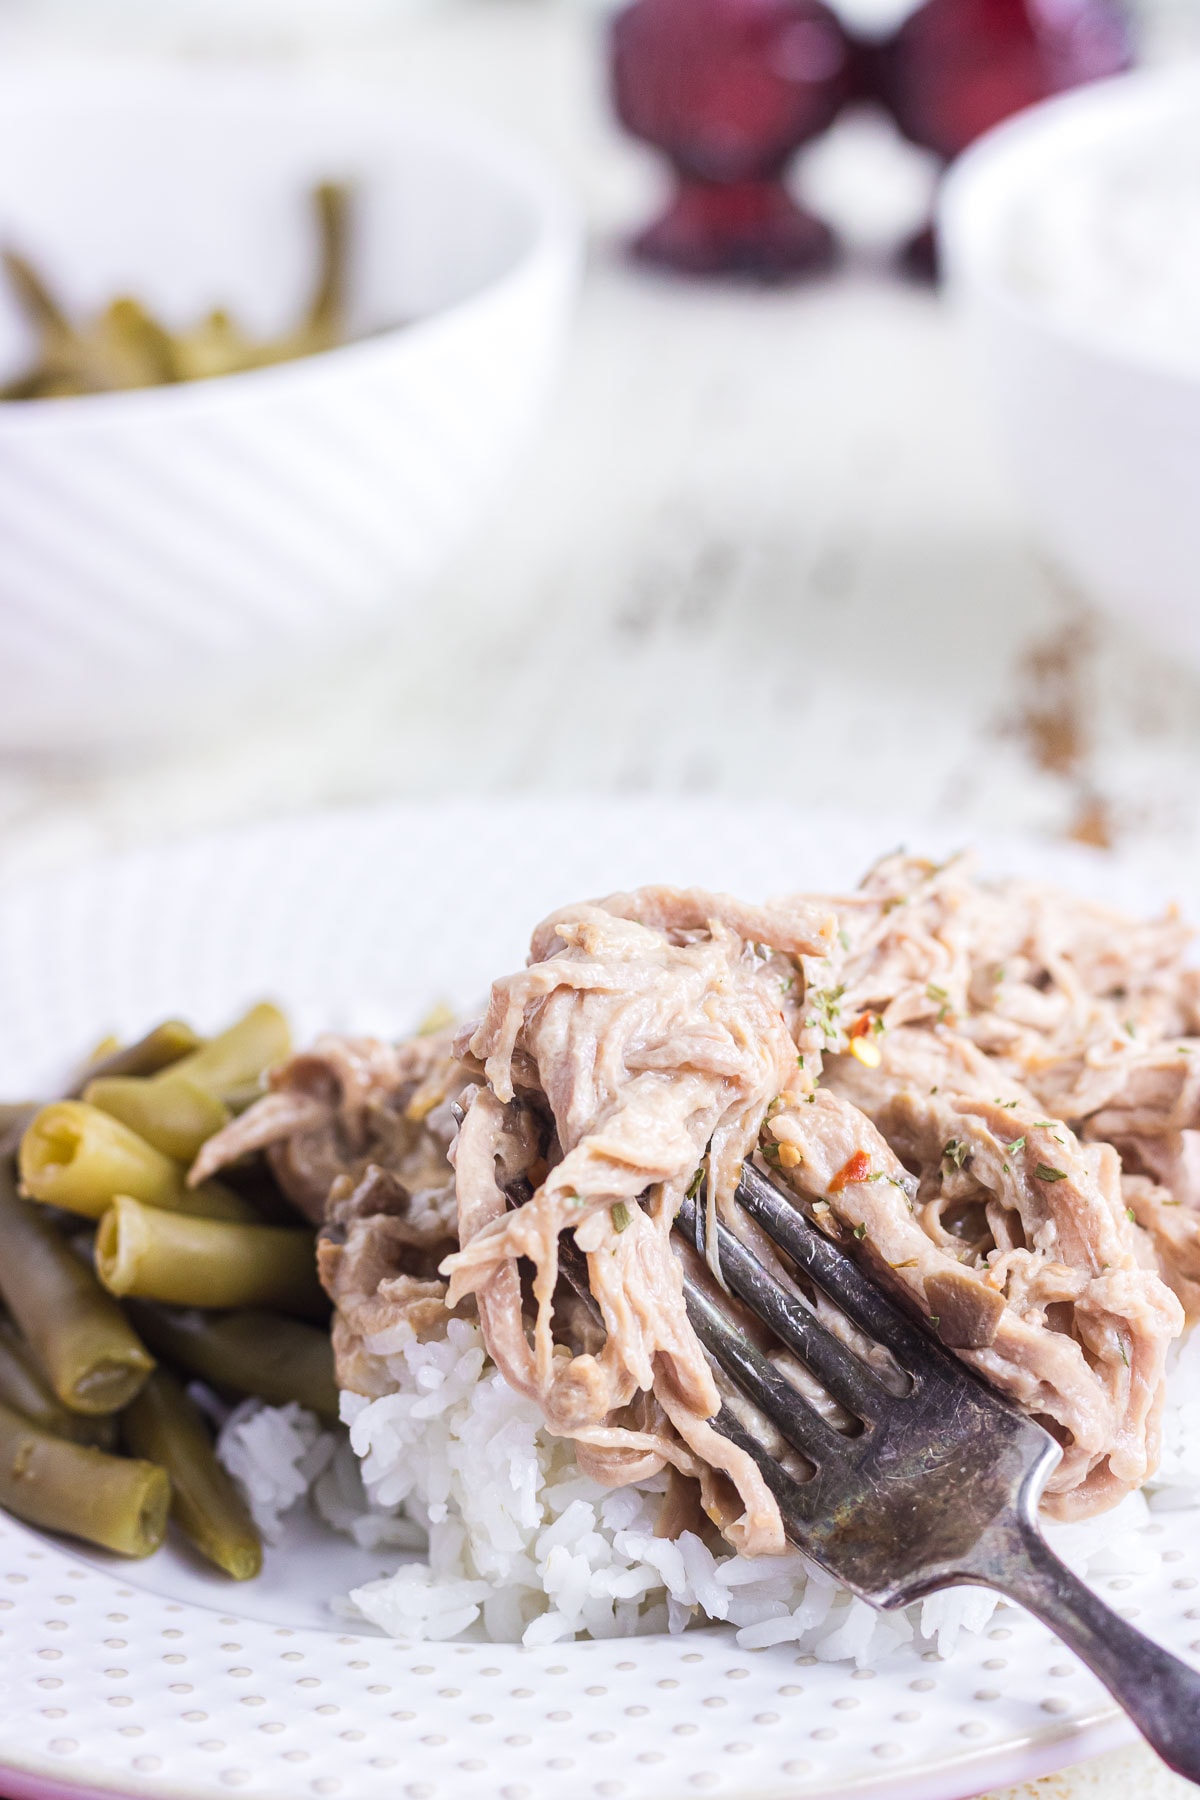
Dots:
pixel 989 1092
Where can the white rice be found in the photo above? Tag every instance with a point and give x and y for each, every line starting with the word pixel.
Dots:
pixel 274 1453
pixel 517 1545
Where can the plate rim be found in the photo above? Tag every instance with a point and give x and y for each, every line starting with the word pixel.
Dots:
pixel 1037 1754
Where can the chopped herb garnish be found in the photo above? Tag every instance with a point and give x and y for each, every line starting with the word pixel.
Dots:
pixel 1122 1349
pixel 696 1183
pixel 1130 1028
pixel 1006 1168
pixel 957 1152
pixel 998 974
pixel 1008 1105
pixel 827 1002
pixel 1183 1049
pixel 934 992
pixel 1017 1144
pixel 1045 1124
pixel 800 1062
pixel 843 937
pixel 932 1092
pixel 770 1150
pixel 882 1175
pixel 1131 1215
pixel 860 1231
pixel 620 1216
pixel 935 1320
pixel 1044 1172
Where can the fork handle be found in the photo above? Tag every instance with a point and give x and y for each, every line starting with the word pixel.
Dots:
pixel 1160 1693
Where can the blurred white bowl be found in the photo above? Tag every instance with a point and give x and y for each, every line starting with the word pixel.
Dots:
pixel 1102 429
pixel 166 551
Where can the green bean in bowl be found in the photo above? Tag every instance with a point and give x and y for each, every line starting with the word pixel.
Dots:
pixel 126 346
pixel 111 1259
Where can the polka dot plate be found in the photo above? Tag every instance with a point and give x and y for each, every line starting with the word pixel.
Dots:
pixel 158 1679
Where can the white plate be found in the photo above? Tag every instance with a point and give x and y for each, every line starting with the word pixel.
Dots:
pixel 159 1679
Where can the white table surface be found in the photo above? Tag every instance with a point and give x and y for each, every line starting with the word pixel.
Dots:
pixel 764 547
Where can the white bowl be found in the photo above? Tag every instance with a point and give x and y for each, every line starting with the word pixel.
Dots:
pixel 164 552
pixel 1103 433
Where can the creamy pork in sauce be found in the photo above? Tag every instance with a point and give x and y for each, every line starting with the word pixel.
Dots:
pixel 989 1092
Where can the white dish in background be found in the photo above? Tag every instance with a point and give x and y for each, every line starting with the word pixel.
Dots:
pixel 163 553
pixel 163 1680
pixel 1100 419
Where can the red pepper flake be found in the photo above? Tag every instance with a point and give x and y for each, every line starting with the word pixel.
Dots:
pixel 862 1025
pixel 857 1170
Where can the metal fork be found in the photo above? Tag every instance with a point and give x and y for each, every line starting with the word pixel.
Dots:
pixel 940 1486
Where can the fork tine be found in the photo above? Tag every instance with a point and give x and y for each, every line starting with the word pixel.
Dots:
pixel 847 1377
pixel 796 1499
pixel 799 1422
pixel 840 1278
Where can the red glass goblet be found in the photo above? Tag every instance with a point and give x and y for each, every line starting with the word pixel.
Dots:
pixel 729 90
pixel 955 68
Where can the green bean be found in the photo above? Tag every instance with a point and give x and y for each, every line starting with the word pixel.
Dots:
pixel 133 348
pixel 217 345
pixel 165 1426
pixel 157 1050
pixel 165 1045
pixel 325 323
pixel 32 294
pixel 25 1388
pixel 127 346
pixel 173 1114
pixel 157 1255
pixel 248 1352
pixel 241 1099
pixel 237 1057
pixel 77 1157
pixel 80 1336
pixel 108 1500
